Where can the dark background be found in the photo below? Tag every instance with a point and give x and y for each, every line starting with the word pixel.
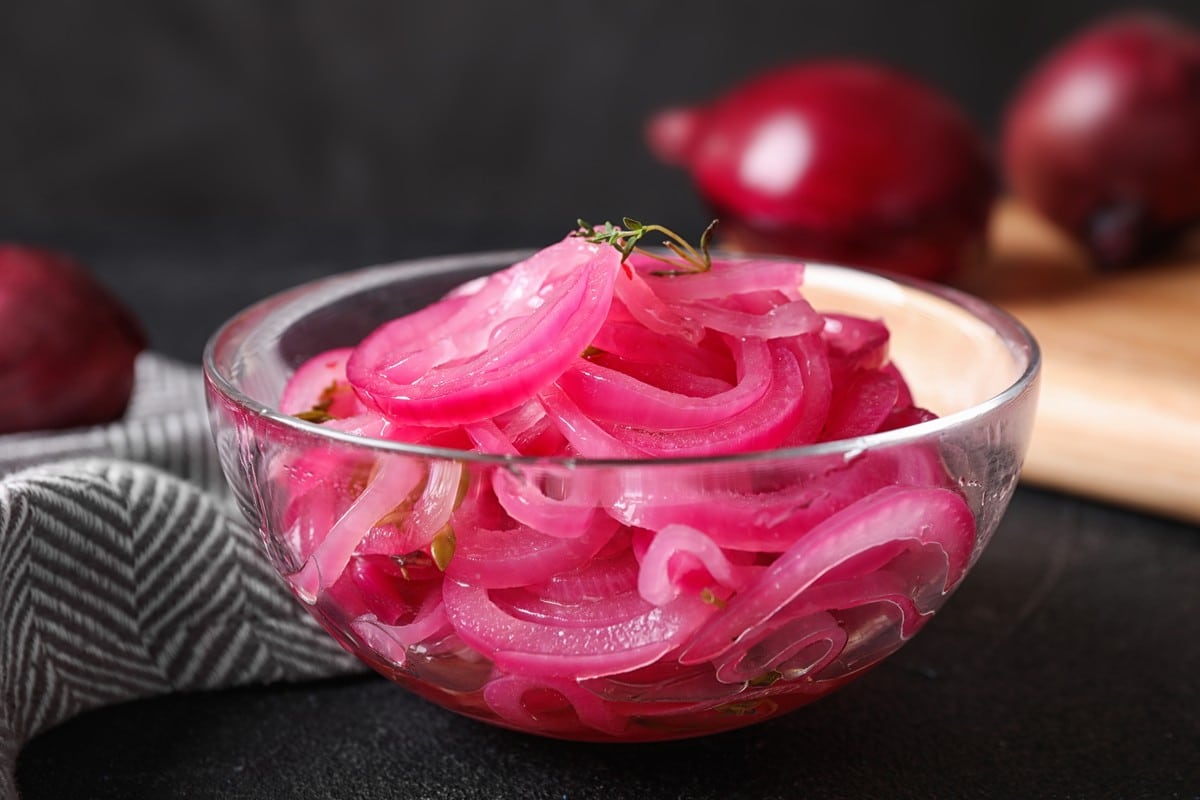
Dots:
pixel 179 143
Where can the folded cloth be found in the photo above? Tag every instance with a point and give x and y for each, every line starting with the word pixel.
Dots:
pixel 126 572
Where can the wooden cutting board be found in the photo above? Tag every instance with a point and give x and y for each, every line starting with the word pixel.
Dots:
pixel 1119 414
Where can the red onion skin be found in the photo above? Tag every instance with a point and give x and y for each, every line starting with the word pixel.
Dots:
pixel 842 161
pixel 68 348
pixel 1103 137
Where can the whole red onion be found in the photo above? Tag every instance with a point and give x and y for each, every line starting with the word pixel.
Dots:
pixel 845 161
pixel 1103 138
pixel 68 348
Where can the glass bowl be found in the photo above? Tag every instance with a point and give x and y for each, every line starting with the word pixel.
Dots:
pixel 837 553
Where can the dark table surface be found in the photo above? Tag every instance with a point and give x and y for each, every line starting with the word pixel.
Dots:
pixel 1065 667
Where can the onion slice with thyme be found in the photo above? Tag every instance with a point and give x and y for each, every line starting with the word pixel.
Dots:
pixel 477 354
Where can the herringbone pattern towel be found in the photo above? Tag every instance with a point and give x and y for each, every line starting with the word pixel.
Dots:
pixel 125 571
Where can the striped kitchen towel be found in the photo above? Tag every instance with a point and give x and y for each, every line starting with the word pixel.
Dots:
pixel 126 571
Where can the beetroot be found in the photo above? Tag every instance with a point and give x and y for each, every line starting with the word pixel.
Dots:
pixel 842 161
pixel 68 349
pixel 1104 136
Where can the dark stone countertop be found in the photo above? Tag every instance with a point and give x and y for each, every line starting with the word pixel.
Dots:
pixel 1064 667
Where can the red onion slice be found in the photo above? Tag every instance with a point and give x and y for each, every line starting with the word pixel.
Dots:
pixel 608 395
pixel 519 556
pixel 861 405
pixel 585 436
pixel 769 511
pixel 551 705
pixel 525 493
pixel 608 575
pixel 320 384
pixel 677 550
pixel 639 301
pixel 632 342
pixel 796 646
pixel 437 366
pixel 395 479
pixel 763 426
pixel 414 520
pixel 921 516
pixel 669 378
pixel 526 647
pixel 392 641
pixel 724 279
pixel 779 321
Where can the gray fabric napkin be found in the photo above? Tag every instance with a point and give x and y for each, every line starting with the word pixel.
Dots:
pixel 126 571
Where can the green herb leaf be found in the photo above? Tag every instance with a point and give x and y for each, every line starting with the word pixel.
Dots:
pixel 684 260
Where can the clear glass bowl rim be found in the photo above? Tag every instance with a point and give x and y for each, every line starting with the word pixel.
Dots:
pixel 312 295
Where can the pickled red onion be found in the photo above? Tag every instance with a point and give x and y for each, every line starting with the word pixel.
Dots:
pixel 640 302
pixel 762 426
pixel 774 511
pixel 529 431
pixel 459 361
pixel 392 589
pixel 938 517
pixel 818 389
pixel 530 604
pixel 522 492
pixel 393 481
pixel 855 342
pixel 670 378
pixel 862 403
pixel 525 498
pixel 795 646
pixel 509 697
pixel 529 648
pixel 632 342
pixel 416 518
pixel 604 577
pixel 521 555
pixel 392 641
pixel 320 384
pixel 607 394
pixel 785 320
pixel 677 549
pixel 725 279
pixel 807 620
pixel 585 586
pixel 583 433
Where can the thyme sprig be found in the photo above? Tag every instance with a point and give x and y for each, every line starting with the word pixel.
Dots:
pixel 626 237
